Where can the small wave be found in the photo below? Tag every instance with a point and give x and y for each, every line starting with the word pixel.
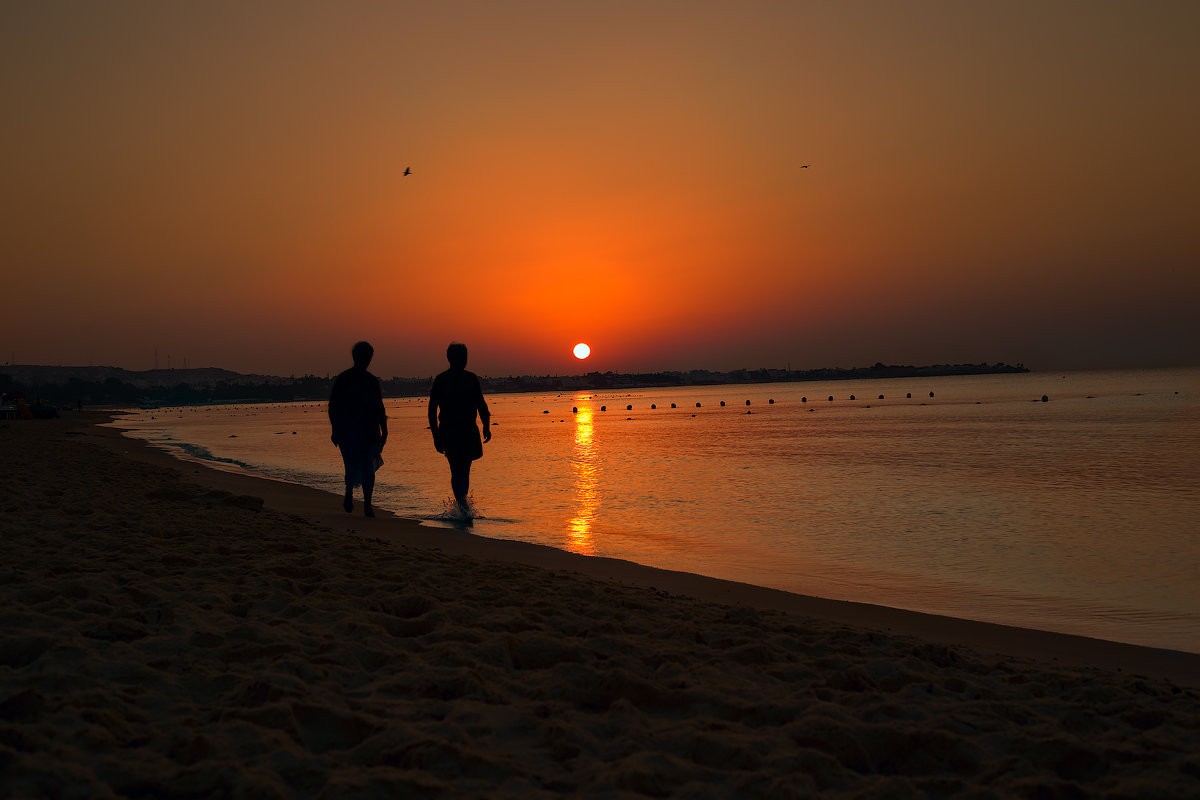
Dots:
pixel 456 516
pixel 454 511
pixel 201 453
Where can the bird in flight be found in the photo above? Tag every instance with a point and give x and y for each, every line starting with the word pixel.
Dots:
pixel 408 171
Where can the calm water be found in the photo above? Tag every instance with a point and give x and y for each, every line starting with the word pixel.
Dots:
pixel 1080 515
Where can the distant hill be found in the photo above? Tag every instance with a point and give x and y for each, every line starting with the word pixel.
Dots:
pixel 28 374
pixel 116 386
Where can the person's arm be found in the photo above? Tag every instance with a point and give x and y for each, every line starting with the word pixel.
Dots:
pixel 333 425
pixel 381 414
pixel 485 416
pixel 433 417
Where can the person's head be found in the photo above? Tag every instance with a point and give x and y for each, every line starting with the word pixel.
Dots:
pixel 456 354
pixel 362 354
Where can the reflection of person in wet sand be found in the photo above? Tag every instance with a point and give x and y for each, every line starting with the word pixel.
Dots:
pixel 455 399
pixel 359 425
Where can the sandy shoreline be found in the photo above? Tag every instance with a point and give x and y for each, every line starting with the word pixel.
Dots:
pixel 171 630
pixel 1181 667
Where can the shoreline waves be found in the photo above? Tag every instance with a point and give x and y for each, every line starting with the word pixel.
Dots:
pixel 171 630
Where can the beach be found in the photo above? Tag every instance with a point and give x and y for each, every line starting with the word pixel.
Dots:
pixel 174 631
pixel 925 504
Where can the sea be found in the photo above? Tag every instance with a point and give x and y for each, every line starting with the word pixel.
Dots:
pixel 1065 502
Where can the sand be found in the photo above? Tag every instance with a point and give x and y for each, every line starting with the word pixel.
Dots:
pixel 171 631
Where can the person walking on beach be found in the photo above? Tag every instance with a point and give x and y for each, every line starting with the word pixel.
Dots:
pixel 359 425
pixel 454 401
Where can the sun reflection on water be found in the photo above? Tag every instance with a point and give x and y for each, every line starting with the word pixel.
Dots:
pixel 586 470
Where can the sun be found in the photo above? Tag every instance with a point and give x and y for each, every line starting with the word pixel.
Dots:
pixel 582 351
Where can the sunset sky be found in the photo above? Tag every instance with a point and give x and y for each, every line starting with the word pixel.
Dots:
pixel 223 182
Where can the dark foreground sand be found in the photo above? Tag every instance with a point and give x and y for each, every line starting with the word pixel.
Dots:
pixel 166 633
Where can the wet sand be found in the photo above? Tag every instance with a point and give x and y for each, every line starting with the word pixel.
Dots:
pixel 170 630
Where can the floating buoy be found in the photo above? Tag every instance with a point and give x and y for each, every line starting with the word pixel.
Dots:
pixel 604 408
pixel 931 394
pixel 653 405
pixel 574 409
pixel 629 408
pixel 697 405
pixel 851 397
pixel 1045 399
pixel 722 404
pixel 831 398
pixel 672 405
pixel 909 395
pixel 771 402
pixel 804 399
pixel 880 397
pixel 747 402
pixel 545 412
pixel 748 411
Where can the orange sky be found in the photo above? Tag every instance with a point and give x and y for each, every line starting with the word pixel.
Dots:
pixel 223 182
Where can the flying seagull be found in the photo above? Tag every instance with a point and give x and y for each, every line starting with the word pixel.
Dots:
pixel 408 171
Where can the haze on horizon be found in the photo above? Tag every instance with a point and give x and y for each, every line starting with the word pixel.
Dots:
pixel 224 183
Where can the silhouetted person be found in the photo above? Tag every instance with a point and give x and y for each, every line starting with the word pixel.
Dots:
pixel 359 425
pixel 455 399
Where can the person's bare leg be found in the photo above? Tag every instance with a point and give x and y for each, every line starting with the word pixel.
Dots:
pixel 348 501
pixel 460 481
pixel 368 485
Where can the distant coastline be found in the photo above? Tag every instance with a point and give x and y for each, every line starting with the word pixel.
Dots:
pixel 116 386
